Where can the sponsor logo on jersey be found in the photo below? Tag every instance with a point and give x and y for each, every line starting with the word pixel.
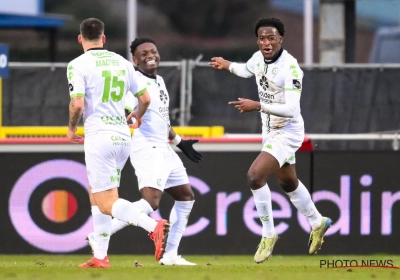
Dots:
pixel 71 86
pixel 113 120
pixel 163 96
pixel 164 112
pixel 117 138
pixel 296 84
pixel 264 83
pixel 266 97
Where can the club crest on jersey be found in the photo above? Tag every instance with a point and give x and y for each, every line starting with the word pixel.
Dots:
pixel 296 84
pixel 163 96
pixel 264 83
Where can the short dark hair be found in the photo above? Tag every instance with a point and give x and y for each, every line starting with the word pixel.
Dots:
pixel 138 41
pixel 91 29
pixel 272 22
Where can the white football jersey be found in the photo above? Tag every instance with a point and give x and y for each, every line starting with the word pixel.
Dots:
pixel 155 122
pixel 103 78
pixel 273 80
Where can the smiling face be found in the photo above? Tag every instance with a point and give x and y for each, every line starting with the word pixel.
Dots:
pixel 147 58
pixel 269 41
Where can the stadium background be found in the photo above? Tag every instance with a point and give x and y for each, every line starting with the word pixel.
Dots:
pixel 356 182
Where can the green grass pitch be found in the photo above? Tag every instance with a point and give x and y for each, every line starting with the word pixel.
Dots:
pixel 60 267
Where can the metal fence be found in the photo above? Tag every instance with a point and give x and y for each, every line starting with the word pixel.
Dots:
pixel 341 105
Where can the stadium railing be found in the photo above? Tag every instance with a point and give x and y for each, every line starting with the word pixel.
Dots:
pixel 61 131
pixel 384 136
pixel 186 71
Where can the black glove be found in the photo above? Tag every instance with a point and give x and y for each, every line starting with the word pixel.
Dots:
pixel 186 146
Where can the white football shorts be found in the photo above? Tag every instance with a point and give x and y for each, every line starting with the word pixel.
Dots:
pixel 282 145
pixel 105 156
pixel 158 166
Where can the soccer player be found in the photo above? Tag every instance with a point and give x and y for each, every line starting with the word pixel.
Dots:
pixel 98 83
pixel 157 166
pixel 279 79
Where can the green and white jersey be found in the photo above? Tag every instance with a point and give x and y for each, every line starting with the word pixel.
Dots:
pixel 103 78
pixel 155 122
pixel 274 79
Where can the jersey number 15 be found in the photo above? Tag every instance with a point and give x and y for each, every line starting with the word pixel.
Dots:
pixel 112 83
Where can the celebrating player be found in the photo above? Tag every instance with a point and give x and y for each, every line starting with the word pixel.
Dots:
pixel 157 166
pixel 98 83
pixel 279 79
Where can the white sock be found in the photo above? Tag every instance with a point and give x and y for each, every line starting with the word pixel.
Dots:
pixel 102 226
pixel 117 225
pixel 179 216
pixel 301 199
pixel 263 202
pixel 173 217
pixel 132 214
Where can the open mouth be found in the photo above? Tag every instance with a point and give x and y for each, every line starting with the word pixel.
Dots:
pixel 267 51
pixel 151 62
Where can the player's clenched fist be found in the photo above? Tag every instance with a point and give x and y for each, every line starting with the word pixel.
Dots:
pixel 71 135
pixel 135 119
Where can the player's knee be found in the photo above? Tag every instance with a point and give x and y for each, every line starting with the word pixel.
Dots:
pixel 288 184
pixel 255 181
pixel 154 204
pixel 187 197
pixel 191 197
pixel 105 207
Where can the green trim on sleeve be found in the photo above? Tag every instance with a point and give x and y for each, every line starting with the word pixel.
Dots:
pixel 77 95
pixel 292 89
pixel 128 108
pixel 140 92
pixel 249 70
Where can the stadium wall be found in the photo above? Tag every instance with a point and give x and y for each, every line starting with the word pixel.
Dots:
pixel 44 205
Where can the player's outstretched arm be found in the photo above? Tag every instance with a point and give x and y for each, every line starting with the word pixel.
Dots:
pixel 186 146
pixel 239 69
pixel 219 63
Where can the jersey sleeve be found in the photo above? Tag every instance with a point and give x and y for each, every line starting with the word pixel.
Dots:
pixel 130 102
pixel 250 65
pixel 293 77
pixel 76 80
pixel 136 85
